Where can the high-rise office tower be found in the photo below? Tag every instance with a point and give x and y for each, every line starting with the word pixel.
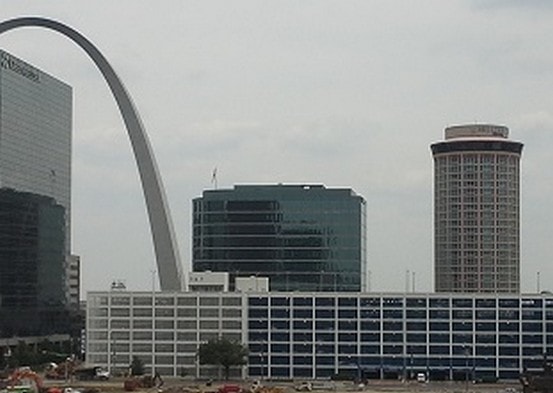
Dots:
pixel 477 210
pixel 35 132
pixel 35 180
pixel 303 237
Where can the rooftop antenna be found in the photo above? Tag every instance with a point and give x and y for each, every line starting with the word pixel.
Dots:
pixel 214 177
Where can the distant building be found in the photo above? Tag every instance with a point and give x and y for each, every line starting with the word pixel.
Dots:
pixel 302 237
pixel 73 278
pixel 208 281
pixel 252 284
pixel 35 172
pixel 477 210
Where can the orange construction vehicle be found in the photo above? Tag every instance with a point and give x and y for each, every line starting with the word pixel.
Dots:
pixel 24 380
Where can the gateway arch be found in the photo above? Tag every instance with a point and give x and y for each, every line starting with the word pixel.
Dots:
pixel 161 226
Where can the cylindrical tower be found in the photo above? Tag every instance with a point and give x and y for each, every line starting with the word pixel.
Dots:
pixel 477 210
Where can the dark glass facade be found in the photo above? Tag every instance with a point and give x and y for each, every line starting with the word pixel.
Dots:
pixel 304 238
pixel 451 337
pixel 32 271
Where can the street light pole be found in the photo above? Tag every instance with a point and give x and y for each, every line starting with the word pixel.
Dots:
pixel 114 355
pixel 264 357
pixel 467 369
pixel 262 366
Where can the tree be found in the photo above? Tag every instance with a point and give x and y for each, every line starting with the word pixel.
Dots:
pixel 3 360
pixel 224 353
pixel 137 366
pixel 23 355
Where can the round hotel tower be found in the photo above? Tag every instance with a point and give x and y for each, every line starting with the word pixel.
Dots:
pixel 477 210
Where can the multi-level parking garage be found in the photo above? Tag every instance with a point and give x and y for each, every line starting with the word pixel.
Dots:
pixel 317 335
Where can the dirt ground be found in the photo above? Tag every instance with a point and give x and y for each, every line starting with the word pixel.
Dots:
pixel 177 385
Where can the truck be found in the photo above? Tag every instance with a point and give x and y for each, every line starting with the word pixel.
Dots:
pixel 91 373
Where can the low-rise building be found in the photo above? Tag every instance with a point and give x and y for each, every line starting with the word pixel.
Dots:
pixel 318 335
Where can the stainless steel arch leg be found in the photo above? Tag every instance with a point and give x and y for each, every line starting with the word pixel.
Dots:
pixel 165 245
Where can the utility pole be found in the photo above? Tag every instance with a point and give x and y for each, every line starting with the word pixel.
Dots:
pixel 153 320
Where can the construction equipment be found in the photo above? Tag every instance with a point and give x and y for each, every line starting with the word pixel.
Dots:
pixel 145 381
pixel 230 388
pixel 304 386
pixel 24 380
pixel 91 373
pixel 256 386
pixel 63 370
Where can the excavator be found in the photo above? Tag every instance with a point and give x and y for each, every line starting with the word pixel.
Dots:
pixel 24 380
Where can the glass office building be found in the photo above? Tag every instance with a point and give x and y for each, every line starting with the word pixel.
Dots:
pixel 477 210
pixel 303 237
pixel 35 163
pixel 35 132
pixel 299 335
pixel 32 252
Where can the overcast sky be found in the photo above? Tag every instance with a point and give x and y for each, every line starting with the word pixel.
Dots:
pixel 344 93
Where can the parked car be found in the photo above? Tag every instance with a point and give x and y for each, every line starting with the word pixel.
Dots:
pixel 421 377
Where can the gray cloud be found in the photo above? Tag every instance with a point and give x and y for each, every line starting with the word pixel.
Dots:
pixel 532 5
pixel 341 93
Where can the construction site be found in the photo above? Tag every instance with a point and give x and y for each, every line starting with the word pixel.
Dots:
pixel 65 379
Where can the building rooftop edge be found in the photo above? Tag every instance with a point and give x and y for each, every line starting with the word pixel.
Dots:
pixel 476 131
pixel 281 186
pixel 9 55
pixel 544 294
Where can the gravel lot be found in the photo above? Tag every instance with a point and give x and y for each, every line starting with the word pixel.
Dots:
pixel 177 385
